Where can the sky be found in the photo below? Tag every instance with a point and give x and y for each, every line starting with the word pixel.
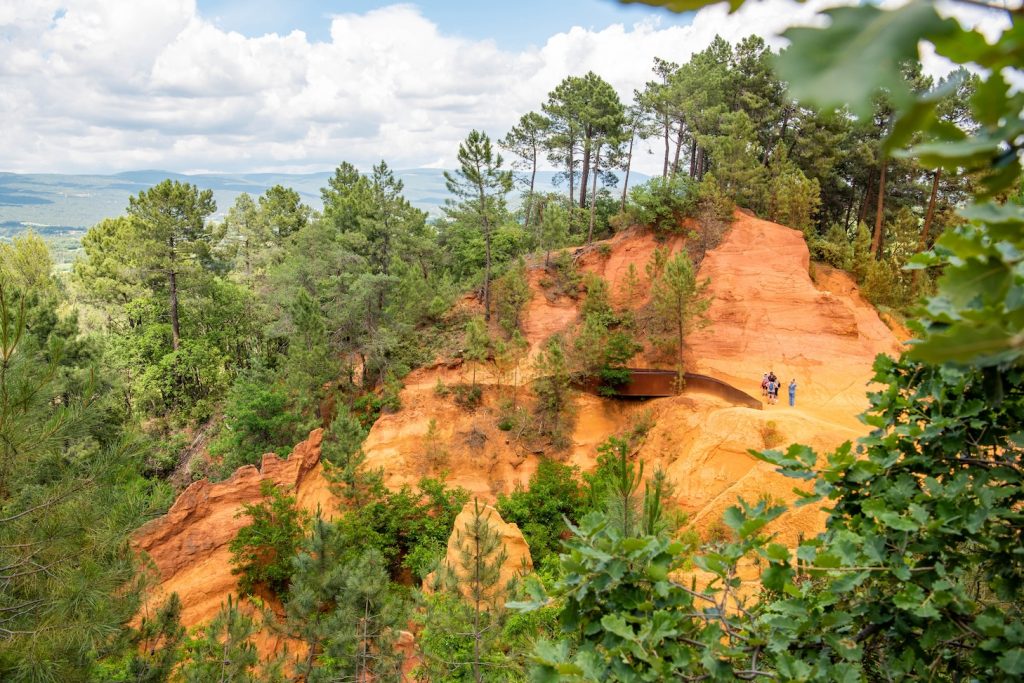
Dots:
pixel 102 86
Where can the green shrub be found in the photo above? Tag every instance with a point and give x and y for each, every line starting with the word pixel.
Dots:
pixel 257 419
pixel 639 426
pixel 409 527
pixel 551 387
pixel 567 277
pixel 369 406
pixel 883 286
pixel 262 551
pixel 468 396
pixel 516 419
pixel 553 494
pixel 713 204
pixel 510 294
pixel 662 203
pixel 793 198
pixel 770 434
pixel 164 452
pixel 834 248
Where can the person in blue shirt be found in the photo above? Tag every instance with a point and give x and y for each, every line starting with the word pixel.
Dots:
pixel 792 392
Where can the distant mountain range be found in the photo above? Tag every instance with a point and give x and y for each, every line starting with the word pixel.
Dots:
pixel 62 204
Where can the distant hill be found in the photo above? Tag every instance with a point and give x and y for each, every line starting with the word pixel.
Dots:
pixel 59 204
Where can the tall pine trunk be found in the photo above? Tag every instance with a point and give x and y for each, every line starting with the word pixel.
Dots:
pixel 529 197
pixel 862 214
pixel 664 169
pixel 172 278
pixel 679 143
pixel 477 608
pixel 629 163
pixel 849 208
pixel 693 156
pixel 876 238
pixel 585 171
pixel 928 218
pixel 487 276
pixel 572 174
pixel 782 134
pixel 593 194
pixel 487 246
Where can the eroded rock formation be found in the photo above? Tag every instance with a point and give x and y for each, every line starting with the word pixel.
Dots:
pixel 188 547
pixel 767 314
pixel 517 560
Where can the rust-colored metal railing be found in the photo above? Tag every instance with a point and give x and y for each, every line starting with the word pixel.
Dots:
pixel 649 383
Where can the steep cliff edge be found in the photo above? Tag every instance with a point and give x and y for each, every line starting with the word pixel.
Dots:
pixel 767 313
pixel 188 547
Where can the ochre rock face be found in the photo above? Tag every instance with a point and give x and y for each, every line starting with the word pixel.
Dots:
pixel 767 313
pixel 188 546
pixel 517 561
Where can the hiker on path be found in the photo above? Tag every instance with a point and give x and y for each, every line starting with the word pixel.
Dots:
pixel 792 392
pixel 764 385
pixel 773 389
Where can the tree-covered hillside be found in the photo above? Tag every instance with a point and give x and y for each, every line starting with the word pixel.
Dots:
pixel 188 339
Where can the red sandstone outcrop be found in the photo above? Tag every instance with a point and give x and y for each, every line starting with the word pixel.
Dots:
pixel 767 313
pixel 188 546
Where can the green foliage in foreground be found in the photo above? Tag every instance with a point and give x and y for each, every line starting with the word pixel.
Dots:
pixel 919 574
pixel 70 496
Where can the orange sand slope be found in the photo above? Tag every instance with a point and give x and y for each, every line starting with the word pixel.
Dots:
pixel 767 314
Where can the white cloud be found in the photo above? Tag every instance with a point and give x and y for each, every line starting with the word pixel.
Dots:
pixel 103 86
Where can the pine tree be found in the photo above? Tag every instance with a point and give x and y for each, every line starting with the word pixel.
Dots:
pixel 480 186
pixel 473 597
pixel 526 140
pixel 307 364
pixel 224 651
pixel 551 386
pixel 159 641
pixel 622 505
pixel 508 356
pixel 435 456
pixel 554 227
pixel 262 551
pixel 481 556
pixel 679 303
pixel 629 292
pixel 69 497
pixel 342 606
pixel 173 236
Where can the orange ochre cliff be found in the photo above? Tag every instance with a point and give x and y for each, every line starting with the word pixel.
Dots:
pixel 767 314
